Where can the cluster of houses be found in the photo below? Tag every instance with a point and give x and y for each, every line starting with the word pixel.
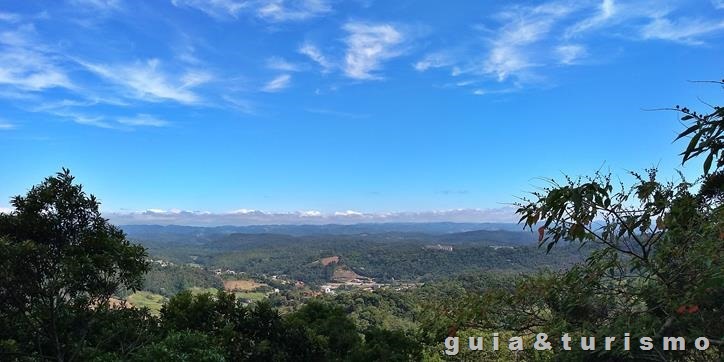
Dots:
pixel 160 262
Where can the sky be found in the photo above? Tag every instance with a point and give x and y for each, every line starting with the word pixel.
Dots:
pixel 319 111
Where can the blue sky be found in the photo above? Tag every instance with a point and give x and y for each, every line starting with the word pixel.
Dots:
pixel 266 111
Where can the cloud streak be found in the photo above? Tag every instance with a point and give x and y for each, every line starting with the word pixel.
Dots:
pixel 519 40
pixel 6 126
pixel 368 45
pixel 316 55
pixel 273 11
pixel 282 11
pixel 219 9
pixel 277 84
pixel 28 66
pixel 143 120
pixel 147 81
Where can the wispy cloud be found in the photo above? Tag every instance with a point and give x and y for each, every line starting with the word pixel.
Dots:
pixel 684 30
pixel 510 53
pixel 9 17
pixel 220 9
pixel 146 81
pixel 269 10
pixel 603 14
pixel 522 39
pixel 241 105
pixel 570 53
pixel 316 55
pixel 143 120
pixel 337 114
pixel 6 126
pixel 257 217
pixel 283 65
pixel 82 118
pixel 280 10
pixel 486 91
pixel 98 4
pixel 434 60
pixel 278 83
pixel 26 65
pixel 368 45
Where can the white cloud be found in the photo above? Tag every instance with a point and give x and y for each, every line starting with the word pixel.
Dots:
pixel 511 48
pixel 6 210
pixel 435 60
pixel 26 65
pixel 337 114
pixel 604 14
pixel 143 120
pixel 368 45
pixel 687 31
pixel 281 64
pixel 98 4
pixel 9 17
pixel 194 78
pixel 83 119
pixel 348 213
pixel 6 126
pixel 280 10
pixel 89 120
pixel 570 53
pixel 525 38
pixel 278 83
pixel 316 55
pixel 242 105
pixel 310 213
pixel 269 10
pixel 147 81
pixel 483 91
pixel 219 9
pixel 244 211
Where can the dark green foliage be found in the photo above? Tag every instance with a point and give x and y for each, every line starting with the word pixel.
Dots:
pixel 61 260
pixel 384 345
pixel 172 279
pixel 657 270
pixel 399 260
pixel 181 346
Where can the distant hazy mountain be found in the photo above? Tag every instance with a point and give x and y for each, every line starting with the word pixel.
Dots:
pixel 330 229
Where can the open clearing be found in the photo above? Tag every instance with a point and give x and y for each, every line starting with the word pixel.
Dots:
pixel 197 290
pixel 329 260
pixel 152 301
pixel 241 285
pixel 252 296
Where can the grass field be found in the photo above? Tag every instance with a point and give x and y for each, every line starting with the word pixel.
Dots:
pixel 197 290
pixel 241 285
pixel 253 296
pixel 149 300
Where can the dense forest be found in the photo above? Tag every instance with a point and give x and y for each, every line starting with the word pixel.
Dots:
pixel 401 257
pixel 641 264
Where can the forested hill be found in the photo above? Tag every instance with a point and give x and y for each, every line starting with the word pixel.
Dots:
pixel 374 251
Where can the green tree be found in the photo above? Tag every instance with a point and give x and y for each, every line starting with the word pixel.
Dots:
pixel 184 346
pixel 61 262
pixel 656 268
